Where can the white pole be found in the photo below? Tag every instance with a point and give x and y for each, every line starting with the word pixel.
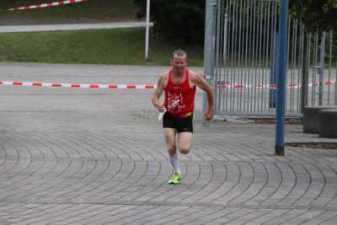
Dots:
pixel 147 32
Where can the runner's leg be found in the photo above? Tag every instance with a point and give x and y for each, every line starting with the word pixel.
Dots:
pixel 170 138
pixel 185 142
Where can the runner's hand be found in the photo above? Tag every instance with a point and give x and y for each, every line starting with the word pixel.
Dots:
pixel 160 108
pixel 209 114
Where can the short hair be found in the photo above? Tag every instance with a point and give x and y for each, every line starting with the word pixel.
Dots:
pixel 179 53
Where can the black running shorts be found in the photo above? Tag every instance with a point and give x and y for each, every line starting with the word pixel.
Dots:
pixel 179 124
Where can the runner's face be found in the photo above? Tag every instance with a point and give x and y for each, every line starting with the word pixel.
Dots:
pixel 179 64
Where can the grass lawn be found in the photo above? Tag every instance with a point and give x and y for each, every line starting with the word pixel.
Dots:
pixel 115 46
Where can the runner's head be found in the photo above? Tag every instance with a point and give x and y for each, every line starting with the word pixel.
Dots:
pixel 179 60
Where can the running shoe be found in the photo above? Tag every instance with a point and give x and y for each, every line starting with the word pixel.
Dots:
pixel 175 178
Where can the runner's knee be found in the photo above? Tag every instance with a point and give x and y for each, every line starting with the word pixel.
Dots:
pixel 184 150
pixel 172 150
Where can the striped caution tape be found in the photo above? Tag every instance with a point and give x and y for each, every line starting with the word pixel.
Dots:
pixel 46 5
pixel 76 85
pixel 228 85
pixel 220 84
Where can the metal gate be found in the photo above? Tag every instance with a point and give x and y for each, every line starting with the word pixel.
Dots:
pixel 241 55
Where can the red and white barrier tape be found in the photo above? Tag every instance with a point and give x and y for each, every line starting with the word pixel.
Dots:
pixel 228 85
pixel 46 5
pixel 225 85
pixel 76 85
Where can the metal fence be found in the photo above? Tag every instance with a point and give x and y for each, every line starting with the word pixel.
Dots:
pixel 243 59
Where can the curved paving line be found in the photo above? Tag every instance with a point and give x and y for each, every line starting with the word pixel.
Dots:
pixel 59 144
pixel 50 185
pixel 175 217
pixel 80 187
pixel 334 198
pixel 107 169
pixel 142 178
pixel 292 218
pixel 79 165
pixel 107 188
pixel 246 189
pixel 229 187
pixel 159 212
pixel 263 194
pixel 37 187
pixel 139 193
pixel 263 186
pixel 180 189
pixel 209 189
pixel 203 178
pixel 18 181
pixel 204 219
pixel 3 150
pixel 332 219
pixel 287 185
pixel 311 159
pixel 313 181
pixel 8 160
pixel 241 186
pixel 227 218
pixel 321 218
pixel 266 217
pixel 306 182
pixel 126 182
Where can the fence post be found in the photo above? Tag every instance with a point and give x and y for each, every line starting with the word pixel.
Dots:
pixel 321 68
pixel 305 72
pixel 209 47
pixel 273 72
pixel 281 79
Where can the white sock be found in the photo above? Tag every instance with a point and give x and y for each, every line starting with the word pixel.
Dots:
pixel 175 162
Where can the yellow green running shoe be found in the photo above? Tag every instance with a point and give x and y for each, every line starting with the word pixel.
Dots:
pixel 175 178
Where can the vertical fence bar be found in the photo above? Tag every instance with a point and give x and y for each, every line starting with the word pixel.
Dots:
pixel 272 79
pixel 294 57
pixel 246 69
pixel 225 59
pixel 330 65
pixel 313 94
pixel 253 59
pixel 239 65
pixel 209 44
pixel 235 53
pixel 266 57
pixel 309 62
pixel 248 55
pixel 230 94
pixel 217 56
pixel 305 69
pixel 299 68
pixel 259 65
pixel 321 69
pixel 258 56
pixel 290 69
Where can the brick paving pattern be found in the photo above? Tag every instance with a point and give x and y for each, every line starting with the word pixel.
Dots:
pixel 98 157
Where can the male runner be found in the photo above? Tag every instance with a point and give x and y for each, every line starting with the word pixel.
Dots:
pixel 179 87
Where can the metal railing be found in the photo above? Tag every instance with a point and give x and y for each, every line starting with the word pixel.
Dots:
pixel 244 39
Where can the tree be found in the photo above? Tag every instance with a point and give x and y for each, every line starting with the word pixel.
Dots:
pixel 178 20
pixel 317 15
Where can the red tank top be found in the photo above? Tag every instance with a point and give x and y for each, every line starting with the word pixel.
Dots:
pixel 179 98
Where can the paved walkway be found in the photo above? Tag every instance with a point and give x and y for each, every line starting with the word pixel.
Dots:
pixel 98 157
pixel 65 27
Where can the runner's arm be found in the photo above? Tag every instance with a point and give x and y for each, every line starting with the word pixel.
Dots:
pixel 201 83
pixel 157 94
